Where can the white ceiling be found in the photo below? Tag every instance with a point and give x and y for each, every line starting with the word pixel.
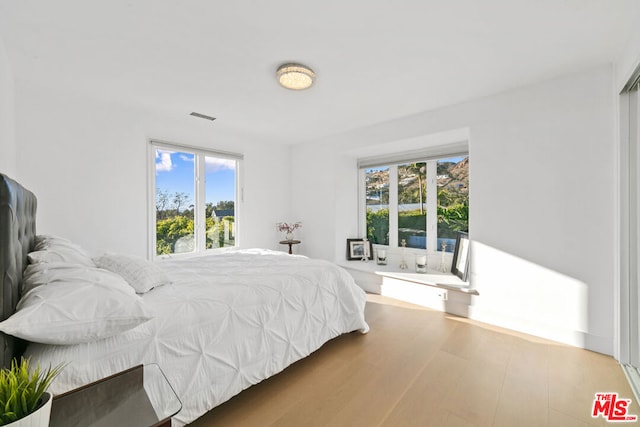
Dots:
pixel 375 60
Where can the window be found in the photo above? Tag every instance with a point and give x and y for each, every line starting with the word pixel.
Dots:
pixel 453 200
pixel 412 204
pixel 377 202
pixel 194 199
pixel 423 202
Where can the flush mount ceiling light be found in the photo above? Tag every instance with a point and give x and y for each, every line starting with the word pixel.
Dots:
pixel 295 76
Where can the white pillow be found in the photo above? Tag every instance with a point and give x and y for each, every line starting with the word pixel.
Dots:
pixel 43 241
pixel 59 250
pixel 141 274
pixel 45 273
pixel 78 310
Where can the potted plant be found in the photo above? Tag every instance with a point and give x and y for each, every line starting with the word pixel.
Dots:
pixel 23 397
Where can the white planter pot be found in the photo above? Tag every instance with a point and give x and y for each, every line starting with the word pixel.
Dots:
pixel 38 418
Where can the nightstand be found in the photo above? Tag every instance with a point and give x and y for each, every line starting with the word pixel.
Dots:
pixel 290 243
pixel 138 397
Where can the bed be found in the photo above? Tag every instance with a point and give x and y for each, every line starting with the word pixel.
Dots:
pixel 214 324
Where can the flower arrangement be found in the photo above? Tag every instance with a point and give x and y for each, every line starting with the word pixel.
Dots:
pixel 288 228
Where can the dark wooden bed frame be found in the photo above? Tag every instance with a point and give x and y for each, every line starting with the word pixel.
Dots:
pixel 17 236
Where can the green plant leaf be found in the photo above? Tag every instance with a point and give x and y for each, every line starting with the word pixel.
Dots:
pixel 21 388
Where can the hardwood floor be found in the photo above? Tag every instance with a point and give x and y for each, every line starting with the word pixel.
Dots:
pixel 418 367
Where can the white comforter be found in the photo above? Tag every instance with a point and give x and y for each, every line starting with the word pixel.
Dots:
pixel 226 322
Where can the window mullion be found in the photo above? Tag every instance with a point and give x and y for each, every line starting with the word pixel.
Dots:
pixel 151 178
pixel 393 206
pixel 432 205
pixel 362 204
pixel 199 224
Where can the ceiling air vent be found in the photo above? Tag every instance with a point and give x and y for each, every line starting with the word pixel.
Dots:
pixel 202 116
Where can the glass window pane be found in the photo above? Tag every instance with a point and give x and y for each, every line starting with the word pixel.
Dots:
pixel 453 200
pixel 220 199
pixel 175 196
pixel 377 203
pixel 412 205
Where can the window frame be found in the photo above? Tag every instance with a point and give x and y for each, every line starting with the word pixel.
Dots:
pixel 199 216
pixel 431 160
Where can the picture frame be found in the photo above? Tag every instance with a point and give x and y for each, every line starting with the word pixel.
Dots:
pixel 359 248
pixel 460 263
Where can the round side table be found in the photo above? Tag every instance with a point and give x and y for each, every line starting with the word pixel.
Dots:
pixel 290 243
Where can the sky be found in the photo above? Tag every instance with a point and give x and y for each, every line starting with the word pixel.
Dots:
pixel 175 171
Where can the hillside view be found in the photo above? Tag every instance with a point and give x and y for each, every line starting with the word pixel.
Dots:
pixel 452 186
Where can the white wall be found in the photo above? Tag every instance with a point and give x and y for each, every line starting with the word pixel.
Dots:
pixel 542 182
pixel 7 131
pixel 627 61
pixel 86 160
pixel 542 176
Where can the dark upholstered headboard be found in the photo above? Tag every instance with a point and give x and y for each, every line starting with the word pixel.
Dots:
pixel 17 235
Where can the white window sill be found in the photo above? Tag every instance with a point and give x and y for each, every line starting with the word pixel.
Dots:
pixel 434 278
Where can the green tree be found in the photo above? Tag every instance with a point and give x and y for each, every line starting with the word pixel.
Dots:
pixel 378 226
pixel 162 202
pixel 170 230
pixel 208 211
pixel 179 199
pixel 225 205
pixel 452 219
pixel 419 169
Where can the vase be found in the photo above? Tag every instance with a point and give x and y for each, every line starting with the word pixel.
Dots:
pixel 39 417
pixel 381 257
pixel 289 236
pixel 421 263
